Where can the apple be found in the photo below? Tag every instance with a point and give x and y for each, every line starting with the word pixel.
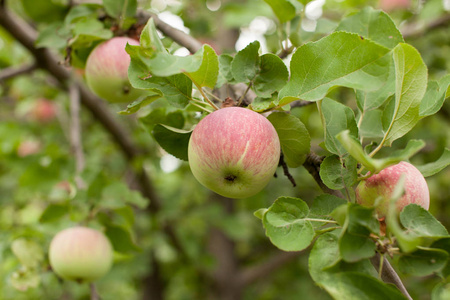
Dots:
pixel 80 253
pixel 28 147
pixel 107 71
pixel 382 185
pixel 234 152
pixel 43 110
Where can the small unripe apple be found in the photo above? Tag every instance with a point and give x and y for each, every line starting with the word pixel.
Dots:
pixel 43 110
pixel 383 184
pixel 234 152
pixel 107 71
pixel 80 253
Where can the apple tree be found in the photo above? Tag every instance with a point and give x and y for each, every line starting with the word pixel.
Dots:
pixel 224 149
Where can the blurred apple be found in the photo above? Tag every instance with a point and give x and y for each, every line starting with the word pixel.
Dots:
pixel 28 147
pixel 390 5
pixel 107 71
pixel 43 110
pixel 81 254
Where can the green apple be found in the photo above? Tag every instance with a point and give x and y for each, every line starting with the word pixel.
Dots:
pixel 234 152
pixel 107 71
pixel 80 253
pixel 377 189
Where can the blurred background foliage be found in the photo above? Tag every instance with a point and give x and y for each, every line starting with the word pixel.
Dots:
pixel 38 193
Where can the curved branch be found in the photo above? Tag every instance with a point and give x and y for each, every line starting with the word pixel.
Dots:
pixel 16 71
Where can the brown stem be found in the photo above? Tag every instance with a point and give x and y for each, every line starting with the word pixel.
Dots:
pixel 388 273
pixel 94 292
pixel 283 164
pixel 16 71
pixel 75 134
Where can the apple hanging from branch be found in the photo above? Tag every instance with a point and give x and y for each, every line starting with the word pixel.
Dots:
pixel 377 189
pixel 81 254
pixel 234 152
pixel 107 71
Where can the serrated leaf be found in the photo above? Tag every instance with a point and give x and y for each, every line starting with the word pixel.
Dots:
pixel 410 87
pixel 120 8
pixel 419 222
pixel 324 204
pixel 285 225
pixel 341 58
pixel 434 97
pixel 175 141
pixel 225 74
pixel 246 63
pixel 272 75
pixel 338 174
pixel 207 74
pixel 370 125
pixel 357 286
pixel 87 31
pixel 373 24
pixel 437 166
pixel 423 262
pixel 338 117
pixel 53 212
pixel 294 137
pixel 262 104
pixel 283 9
pixel 149 38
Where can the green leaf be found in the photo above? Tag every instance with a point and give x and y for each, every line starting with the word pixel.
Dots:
pixel 175 141
pixel 246 63
pixel 370 125
pixel 272 75
pixel 138 104
pixel 423 262
pixel 149 38
pixel 121 239
pixel 86 31
pixel 441 291
pixel 421 222
pixel 120 8
pixel 80 12
pixel 283 9
pixel 358 286
pixel 294 137
pixel 262 104
pixel 374 25
pixel 53 36
pixel 338 174
pixel 437 166
pixel 339 59
pixel 225 74
pixel 443 244
pixel 285 225
pixel 324 204
pixel 434 96
pixel 208 72
pixel 161 116
pixel 338 117
pixel 402 113
pixel 28 252
pixel 375 165
pixel 53 212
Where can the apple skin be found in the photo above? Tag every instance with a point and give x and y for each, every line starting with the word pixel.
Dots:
pixel 107 71
pixel 390 5
pixel 234 152
pixel 80 253
pixel 383 185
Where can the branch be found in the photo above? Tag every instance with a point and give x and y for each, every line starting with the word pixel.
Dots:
pixel 252 274
pixel 94 292
pixel 388 274
pixel 16 71
pixel 413 30
pixel 75 134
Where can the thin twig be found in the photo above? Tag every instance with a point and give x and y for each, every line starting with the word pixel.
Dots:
pixel 75 134
pixel 16 71
pixel 283 164
pixel 94 292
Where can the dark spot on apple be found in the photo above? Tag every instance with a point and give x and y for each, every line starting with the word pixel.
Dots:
pixel 126 89
pixel 230 178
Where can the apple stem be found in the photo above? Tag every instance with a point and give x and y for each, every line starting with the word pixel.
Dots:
pixel 214 96
pixel 320 220
pixel 201 107
pixel 94 292
pixel 200 89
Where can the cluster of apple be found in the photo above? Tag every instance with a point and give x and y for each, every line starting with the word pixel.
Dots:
pixel 233 151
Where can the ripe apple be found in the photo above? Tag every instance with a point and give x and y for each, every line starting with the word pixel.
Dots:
pixel 28 147
pixel 383 184
pixel 234 152
pixel 107 71
pixel 81 254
